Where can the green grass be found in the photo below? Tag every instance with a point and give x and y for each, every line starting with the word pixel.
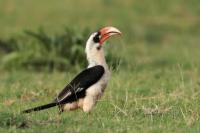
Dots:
pixel 155 89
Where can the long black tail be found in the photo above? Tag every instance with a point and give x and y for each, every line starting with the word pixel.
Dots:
pixel 42 107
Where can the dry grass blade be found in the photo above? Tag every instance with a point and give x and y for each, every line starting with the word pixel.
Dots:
pixel 119 109
pixel 9 102
pixel 156 110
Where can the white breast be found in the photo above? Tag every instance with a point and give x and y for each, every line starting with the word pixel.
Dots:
pixel 97 89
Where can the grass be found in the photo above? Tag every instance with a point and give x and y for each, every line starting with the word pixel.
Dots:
pixel 155 89
pixel 161 101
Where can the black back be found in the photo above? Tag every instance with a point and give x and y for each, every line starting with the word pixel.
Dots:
pixel 77 87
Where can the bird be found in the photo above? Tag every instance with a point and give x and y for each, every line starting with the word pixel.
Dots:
pixel 88 86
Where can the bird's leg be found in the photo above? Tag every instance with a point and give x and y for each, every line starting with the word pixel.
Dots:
pixel 88 103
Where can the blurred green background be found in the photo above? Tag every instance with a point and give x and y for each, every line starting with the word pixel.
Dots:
pixel 149 27
pixel 155 64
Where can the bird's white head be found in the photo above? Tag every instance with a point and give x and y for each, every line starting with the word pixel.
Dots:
pixel 95 42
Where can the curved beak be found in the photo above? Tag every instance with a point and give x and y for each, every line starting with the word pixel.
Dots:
pixel 107 32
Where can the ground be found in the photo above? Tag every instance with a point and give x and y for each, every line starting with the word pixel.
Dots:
pixel 154 89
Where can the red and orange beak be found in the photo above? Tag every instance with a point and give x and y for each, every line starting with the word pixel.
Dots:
pixel 107 32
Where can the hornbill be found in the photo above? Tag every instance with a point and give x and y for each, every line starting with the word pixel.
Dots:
pixel 88 86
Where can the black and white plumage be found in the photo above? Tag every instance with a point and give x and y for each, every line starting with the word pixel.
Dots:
pixel 76 89
pixel 88 86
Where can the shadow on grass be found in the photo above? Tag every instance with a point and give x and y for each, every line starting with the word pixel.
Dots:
pixel 20 121
pixel 10 120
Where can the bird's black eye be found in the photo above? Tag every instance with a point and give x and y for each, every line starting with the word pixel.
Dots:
pixel 96 38
pixel 99 47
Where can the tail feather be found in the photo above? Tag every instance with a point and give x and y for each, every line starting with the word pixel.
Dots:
pixel 42 107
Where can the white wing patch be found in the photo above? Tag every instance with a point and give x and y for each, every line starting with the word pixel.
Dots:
pixel 68 94
pixel 78 90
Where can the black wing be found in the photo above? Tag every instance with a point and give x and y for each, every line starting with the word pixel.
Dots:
pixel 76 88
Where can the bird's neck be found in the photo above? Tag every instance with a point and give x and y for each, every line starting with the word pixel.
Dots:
pixel 96 58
